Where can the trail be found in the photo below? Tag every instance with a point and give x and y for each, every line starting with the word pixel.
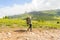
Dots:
pixel 36 34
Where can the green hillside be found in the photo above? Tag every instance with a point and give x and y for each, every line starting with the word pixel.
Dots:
pixel 41 19
pixel 40 15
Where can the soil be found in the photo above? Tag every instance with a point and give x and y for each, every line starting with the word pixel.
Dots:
pixel 36 34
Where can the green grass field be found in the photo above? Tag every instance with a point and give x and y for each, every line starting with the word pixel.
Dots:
pixel 11 23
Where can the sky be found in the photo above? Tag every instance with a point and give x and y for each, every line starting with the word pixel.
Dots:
pixel 15 7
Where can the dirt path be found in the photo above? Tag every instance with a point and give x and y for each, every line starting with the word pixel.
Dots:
pixel 37 34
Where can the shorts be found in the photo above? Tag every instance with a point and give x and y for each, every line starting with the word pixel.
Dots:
pixel 30 25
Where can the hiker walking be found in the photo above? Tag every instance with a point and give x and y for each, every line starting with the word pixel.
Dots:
pixel 29 23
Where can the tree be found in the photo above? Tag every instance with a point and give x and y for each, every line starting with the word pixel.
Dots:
pixel 6 17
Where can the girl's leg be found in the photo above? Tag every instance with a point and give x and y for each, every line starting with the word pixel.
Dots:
pixel 31 27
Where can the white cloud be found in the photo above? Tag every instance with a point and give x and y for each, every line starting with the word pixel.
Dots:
pixel 35 5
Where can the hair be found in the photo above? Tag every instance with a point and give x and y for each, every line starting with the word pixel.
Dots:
pixel 28 16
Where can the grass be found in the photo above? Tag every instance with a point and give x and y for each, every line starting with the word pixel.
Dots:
pixel 22 23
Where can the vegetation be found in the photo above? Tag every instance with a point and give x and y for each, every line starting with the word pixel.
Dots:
pixel 22 23
pixel 40 19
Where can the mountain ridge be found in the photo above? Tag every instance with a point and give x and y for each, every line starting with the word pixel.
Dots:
pixel 46 15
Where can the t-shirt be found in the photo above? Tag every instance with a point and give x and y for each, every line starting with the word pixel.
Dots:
pixel 28 20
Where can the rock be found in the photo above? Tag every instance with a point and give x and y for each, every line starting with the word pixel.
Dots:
pixel 8 34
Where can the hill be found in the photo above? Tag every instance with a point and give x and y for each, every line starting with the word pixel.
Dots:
pixel 40 15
